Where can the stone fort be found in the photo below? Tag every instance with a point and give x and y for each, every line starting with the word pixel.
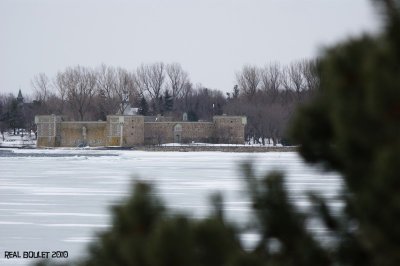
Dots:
pixel 136 130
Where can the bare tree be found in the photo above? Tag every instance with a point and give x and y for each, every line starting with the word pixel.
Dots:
pixel 44 95
pixel 150 79
pixel 265 95
pixel 79 84
pixel 177 78
pixel 248 80
pixel 60 83
pixel 271 80
pixel 184 103
pixel 106 88
pixel 309 70
pixel 293 78
pixel 116 87
pixel 42 87
pixel 142 80
pixel 125 88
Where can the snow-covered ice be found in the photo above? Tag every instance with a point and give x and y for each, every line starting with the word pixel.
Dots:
pixel 25 140
pixel 58 199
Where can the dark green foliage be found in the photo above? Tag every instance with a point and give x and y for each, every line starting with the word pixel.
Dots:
pixel 217 109
pixel 172 243
pixel 144 106
pixel 216 242
pixel 281 223
pixel 102 106
pixel 15 116
pixel 353 127
pixel 235 93
pixel 192 116
pixel 168 101
pixel 159 105
pixel 144 233
pixel 133 223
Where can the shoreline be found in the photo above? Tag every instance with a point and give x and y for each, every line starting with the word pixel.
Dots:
pixel 217 148
pixel 189 148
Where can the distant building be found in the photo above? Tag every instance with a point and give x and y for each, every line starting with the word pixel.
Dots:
pixel 131 130
pixel 20 99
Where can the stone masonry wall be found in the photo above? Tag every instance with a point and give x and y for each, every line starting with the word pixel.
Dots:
pixel 229 129
pixel 79 134
pixel 48 127
pixel 128 131
pixel 168 132
pixel 158 132
pixel 133 131
pixel 197 132
pixel 132 128
pixel 113 131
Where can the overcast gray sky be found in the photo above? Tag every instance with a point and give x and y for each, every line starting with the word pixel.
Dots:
pixel 211 39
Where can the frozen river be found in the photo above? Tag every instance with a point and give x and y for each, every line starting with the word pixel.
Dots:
pixel 56 200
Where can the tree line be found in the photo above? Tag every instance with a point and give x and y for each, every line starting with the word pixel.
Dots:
pixel 267 95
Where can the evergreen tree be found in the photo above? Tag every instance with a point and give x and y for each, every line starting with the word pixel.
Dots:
pixel 144 106
pixel 101 107
pixel 160 105
pixel 235 93
pixel 15 115
pixel 192 116
pixel 217 109
pixel 168 101
pixel 353 127
pixel 143 233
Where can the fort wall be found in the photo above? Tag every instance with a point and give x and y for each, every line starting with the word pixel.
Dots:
pixel 178 132
pixel 81 134
pixel 132 130
pixel 229 129
pixel 198 132
pixel 48 128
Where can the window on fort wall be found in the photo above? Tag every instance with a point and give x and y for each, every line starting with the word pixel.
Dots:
pixel 178 127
